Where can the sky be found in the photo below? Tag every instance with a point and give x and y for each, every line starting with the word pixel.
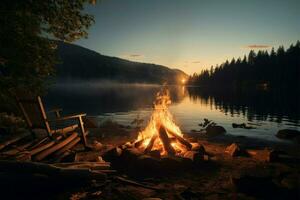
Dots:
pixel 190 35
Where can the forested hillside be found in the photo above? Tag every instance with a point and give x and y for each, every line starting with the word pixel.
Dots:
pixel 78 63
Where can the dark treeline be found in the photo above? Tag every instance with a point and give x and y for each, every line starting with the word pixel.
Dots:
pixel 274 69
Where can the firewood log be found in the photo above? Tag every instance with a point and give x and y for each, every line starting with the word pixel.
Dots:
pixel 67 147
pixel 195 156
pixel 27 167
pixel 57 173
pixel 13 140
pixel 131 154
pixel 70 164
pixel 180 139
pixel 17 149
pixel 84 165
pixel 41 148
pixel 55 147
pixel 90 156
pixel 39 142
pixel 263 155
pixel 165 140
pixel 138 143
pixel 151 143
pixel 42 145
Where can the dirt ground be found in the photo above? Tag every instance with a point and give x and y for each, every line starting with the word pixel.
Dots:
pixel 221 176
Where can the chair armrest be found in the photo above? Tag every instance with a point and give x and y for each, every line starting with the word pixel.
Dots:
pixel 68 117
pixel 56 111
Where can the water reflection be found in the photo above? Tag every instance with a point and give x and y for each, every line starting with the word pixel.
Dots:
pixel 268 111
pixel 96 99
pixel 275 106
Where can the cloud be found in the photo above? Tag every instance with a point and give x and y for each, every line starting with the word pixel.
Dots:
pixel 133 56
pixel 258 46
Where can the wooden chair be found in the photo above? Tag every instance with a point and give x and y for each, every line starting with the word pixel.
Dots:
pixel 36 118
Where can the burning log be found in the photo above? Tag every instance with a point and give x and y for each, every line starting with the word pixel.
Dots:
pixel 138 143
pixel 165 140
pixel 180 139
pixel 150 145
pixel 195 156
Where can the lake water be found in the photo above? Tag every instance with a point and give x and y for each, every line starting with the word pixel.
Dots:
pixel 267 111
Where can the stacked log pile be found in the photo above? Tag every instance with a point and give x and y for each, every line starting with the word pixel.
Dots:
pixel 24 147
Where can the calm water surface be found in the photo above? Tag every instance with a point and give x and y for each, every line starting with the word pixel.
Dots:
pixel 267 111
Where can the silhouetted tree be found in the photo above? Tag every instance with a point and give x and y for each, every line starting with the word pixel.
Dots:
pixel 27 55
pixel 278 69
pixel 27 30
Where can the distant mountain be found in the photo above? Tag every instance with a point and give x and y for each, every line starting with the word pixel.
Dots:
pixel 78 63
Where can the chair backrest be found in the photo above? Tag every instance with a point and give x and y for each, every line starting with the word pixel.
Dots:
pixel 33 111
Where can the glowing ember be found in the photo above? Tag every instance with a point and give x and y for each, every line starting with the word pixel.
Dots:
pixel 162 133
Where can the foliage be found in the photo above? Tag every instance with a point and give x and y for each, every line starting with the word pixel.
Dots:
pixel 262 69
pixel 27 51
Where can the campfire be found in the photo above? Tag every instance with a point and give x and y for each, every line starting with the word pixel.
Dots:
pixel 159 147
pixel 161 133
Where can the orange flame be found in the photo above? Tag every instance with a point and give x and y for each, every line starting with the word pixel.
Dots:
pixel 161 116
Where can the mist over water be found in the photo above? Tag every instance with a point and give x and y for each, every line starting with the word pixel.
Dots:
pixel 267 111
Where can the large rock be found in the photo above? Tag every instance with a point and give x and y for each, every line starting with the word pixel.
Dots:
pixel 215 130
pixel 288 134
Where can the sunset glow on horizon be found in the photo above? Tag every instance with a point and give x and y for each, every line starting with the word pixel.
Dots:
pixel 190 35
